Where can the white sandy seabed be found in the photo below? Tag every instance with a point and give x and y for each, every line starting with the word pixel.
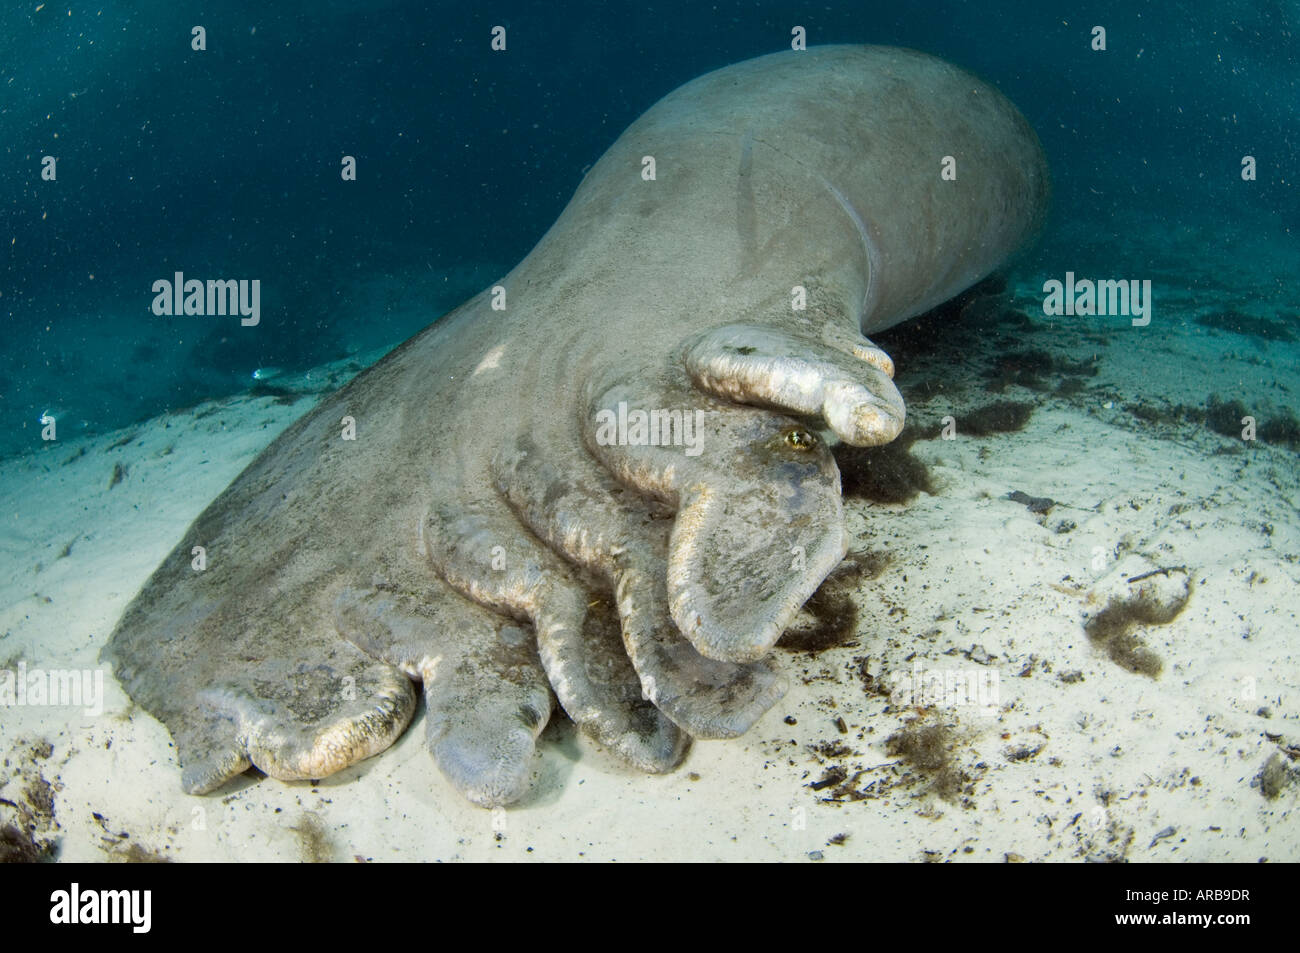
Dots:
pixel 1067 756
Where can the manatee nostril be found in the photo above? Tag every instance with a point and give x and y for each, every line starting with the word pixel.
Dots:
pixel 797 438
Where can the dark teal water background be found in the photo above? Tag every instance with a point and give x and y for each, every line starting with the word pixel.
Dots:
pixel 225 163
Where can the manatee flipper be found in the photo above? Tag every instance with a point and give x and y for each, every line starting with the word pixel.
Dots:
pixel 853 392
pixel 491 558
pixel 486 692
pixel 299 707
pixel 580 512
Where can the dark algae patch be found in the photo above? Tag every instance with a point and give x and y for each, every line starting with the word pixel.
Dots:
pixel 313 840
pixel 22 847
pixel 27 822
pixel 1224 417
pixel 1247 325
pixel 928 750
pixel 1284 429
pixel 1112 629
pixel 1032 369
pixel 888 474
pixel 1025 368
pixel 1003 416
pixel 1275 777
pixel 830 617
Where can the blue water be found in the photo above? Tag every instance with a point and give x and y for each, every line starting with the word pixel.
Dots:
pixel 225 163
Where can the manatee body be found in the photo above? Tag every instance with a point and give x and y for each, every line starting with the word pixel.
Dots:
pixel 489 536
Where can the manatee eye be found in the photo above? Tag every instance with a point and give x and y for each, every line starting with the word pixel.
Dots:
pixel 801 440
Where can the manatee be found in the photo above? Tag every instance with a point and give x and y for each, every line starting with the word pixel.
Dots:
pixel 604 480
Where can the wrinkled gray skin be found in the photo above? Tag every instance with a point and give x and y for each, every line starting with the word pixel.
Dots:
pixel 480 538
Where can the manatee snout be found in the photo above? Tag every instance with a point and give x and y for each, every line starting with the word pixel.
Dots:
pixel 755 535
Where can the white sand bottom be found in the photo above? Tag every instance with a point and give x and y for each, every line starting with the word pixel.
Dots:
pixel 1075 757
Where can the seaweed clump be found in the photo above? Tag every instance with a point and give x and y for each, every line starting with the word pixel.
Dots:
pixel 1284 429
pixel 1111 629
pixel 29 836
pixel 23 847
pixel 1224 417
pixel 1030 368
pixel 830 617
pixel 888 474
pixel 1151 414
pixel 1023 368
pixel 1275 777
pixel 1003 416
pixel 928 749
pixel 1247 325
